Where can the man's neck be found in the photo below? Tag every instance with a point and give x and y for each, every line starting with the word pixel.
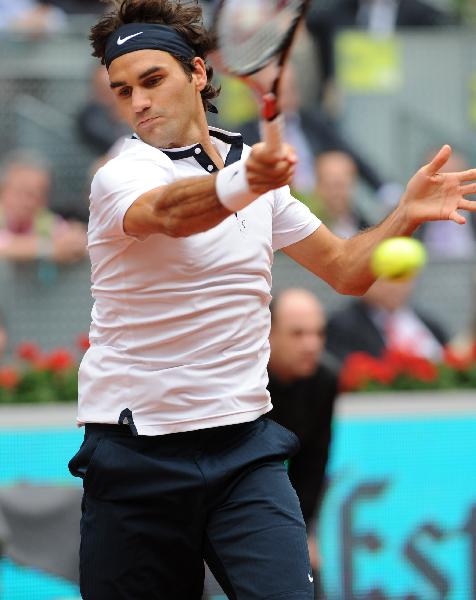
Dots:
pixel 201 135
pixel 212 152
pixel 281 376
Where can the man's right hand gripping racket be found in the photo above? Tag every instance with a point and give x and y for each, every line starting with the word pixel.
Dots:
pixel 250 35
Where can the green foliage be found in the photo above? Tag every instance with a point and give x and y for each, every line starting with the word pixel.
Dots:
pixel 37 377
pixel 403 372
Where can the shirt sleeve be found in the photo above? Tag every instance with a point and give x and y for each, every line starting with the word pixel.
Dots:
pixel 114 189
pixel 292 220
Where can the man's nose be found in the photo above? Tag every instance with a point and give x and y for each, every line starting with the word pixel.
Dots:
pixel 311 342
pixel 140 100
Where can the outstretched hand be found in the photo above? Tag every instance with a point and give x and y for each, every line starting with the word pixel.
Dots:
pixel 435 196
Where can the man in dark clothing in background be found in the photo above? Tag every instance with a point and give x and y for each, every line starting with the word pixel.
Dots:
pixel 311 133
pixel 303 390
pixel 384 319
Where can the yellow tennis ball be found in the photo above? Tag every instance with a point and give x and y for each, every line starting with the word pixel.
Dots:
pixel 398 258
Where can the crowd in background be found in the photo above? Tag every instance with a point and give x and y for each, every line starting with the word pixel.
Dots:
pixel 331 172
pixel 329 179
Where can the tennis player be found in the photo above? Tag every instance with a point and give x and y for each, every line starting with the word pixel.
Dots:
pixel 179 461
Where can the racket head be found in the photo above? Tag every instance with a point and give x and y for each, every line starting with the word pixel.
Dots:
pixel 251 33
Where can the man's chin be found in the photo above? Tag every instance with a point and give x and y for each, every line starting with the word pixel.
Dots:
pixel 305 371
pixel 154 140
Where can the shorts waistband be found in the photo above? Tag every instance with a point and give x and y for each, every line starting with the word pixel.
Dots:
pixel 125 430
pixel 103 427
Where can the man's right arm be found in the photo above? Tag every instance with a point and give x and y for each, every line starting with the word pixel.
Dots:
pixel 193 205
pixel 179 209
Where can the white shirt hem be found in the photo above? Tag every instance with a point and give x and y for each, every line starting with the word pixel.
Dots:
pixel 192 425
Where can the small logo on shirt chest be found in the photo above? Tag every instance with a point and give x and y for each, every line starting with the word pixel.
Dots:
pixel 241 223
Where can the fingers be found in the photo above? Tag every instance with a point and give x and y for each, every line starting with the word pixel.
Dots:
pixel 260 185
pixel 260 154
pixel 275 170
pixel 469 175
pixel 439 161
pixel 267 170
pixel 468 189
pixel 290 154
pixel 456 217
pixel 467 205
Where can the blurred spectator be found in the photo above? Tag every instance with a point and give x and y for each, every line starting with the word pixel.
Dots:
pixel 28 230
pixel 448 239
pixel 383 319
pixel 3 338
pixel 463 344
pixel 303 390
pixel 337 179
pixel 34 17
pixel 381 17
pixel 75 7
pixel 98 122
pixel 310 132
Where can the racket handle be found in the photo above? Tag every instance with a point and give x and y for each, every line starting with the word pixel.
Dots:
pixel 272 124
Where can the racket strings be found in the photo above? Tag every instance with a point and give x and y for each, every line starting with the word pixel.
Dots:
pixel 250 33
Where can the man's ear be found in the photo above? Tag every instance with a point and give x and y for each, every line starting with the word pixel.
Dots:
pixel 199 73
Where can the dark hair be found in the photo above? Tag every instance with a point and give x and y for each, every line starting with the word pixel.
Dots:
pixel 186 19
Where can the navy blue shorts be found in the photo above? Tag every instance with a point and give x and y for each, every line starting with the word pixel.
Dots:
pixel 155 507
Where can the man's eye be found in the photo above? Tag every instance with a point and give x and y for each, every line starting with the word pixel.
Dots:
pixel 154 81
pixel 124 92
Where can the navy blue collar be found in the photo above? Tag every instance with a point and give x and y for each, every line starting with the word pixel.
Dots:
pixel 235 140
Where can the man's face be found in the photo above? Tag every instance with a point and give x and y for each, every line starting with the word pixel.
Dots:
pixel 389 295
pixel 297 338
pixel 24 192
pixel 157 98
pixel 336 177
pixel 3 341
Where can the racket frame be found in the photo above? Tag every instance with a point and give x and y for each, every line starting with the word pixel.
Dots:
pixel 271 119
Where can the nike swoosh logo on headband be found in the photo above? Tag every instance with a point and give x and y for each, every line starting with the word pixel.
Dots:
pixel 128 37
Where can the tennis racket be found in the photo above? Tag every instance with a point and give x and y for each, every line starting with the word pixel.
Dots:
pixel 250 35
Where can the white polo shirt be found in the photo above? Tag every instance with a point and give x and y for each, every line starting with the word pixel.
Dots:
pixel 179 333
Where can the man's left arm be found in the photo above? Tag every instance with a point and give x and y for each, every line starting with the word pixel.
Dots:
pixel 429 196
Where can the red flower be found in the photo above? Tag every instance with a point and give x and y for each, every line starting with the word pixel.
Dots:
pixel 82 342
pixel 411 365
pixel 473 353
pixel 383 373
pixel 59 360
pixel 400 361
pixel 359 368
pixel 422 369
pixel 9 377
pixel 458 361
pixel 28 351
